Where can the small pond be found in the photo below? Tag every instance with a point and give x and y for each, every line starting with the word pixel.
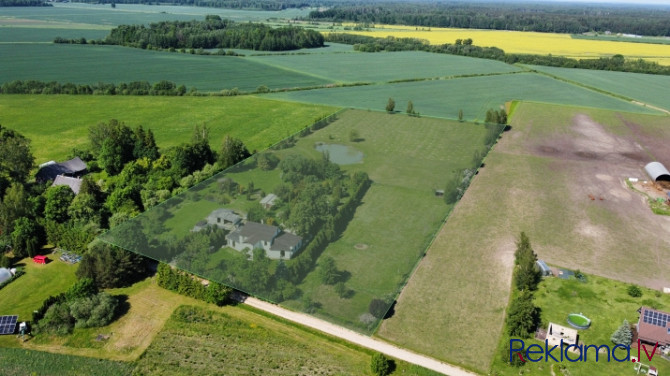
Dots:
pixel 341 154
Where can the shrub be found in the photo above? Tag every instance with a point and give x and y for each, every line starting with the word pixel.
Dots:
pixel 380 365
pixel 634 291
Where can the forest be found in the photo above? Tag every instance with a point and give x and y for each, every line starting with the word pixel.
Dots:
pixel 214 32
pixel 554 18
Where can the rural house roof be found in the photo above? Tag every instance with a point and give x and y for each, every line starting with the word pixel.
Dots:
pixel 73 183
pixel 285 241
pixel 654 326
pixel 49 171
pixel 657 171
pixel 253 233
pixel 226 215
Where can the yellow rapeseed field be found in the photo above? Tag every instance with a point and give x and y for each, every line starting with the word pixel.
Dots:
pixel 528 42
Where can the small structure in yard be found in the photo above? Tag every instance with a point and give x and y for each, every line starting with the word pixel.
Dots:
pixel 269 201
pixel 222 218
pixel 5 275
pixel 545 270
pixel 657 171
pixel 439 193
pixel 654 326
pixel 39 259
pixel 556 333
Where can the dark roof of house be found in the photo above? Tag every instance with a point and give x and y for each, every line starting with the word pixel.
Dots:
pixel 654 326
pixel 285 242
pixel 253 232
pixel 73 183
pixel 50 171
pixel 226 214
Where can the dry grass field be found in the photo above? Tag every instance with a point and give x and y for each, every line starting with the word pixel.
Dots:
pixel 558 175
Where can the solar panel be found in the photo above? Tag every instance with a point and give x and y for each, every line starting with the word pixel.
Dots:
pixel 8 324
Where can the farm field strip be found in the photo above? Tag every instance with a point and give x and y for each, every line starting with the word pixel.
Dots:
pixel 474 95
pixel 526 42
pixel 646 88
pixel 57 123
pixel 93 64
pixel 385 66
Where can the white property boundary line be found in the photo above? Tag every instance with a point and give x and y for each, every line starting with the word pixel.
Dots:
pixel 359 339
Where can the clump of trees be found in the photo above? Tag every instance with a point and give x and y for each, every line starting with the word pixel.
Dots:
pixel 81 306
pixel 380 365
pixel 390 105
pixel 214 32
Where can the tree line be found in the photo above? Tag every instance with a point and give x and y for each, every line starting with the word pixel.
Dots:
pixel 214 32
pixel 554 18
pixel 271 5
pixel 24 3
pixel 465 47
pixel 162 88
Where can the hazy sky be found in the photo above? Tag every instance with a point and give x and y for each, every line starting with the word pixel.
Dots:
pixel 659 2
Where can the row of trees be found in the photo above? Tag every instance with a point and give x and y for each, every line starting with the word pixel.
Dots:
pixel 523 317
pixel 273 5
pixel 185 284
pixel 555 18
pixel 467 48
pixel 163 88
pixel 214 32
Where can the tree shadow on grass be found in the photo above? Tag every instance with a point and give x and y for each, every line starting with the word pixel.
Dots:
pixel 122 308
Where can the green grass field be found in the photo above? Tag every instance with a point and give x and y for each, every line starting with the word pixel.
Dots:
pixel 607 303
pixel 385 66
pixel 473 95
pixel 124 14
pixel 468 268
pixel 35 34
pixel 93 64
pixel 26 293
pixel 57 123
pixel 617 38
pixel 20 362
pixel 405 165
pixel 646 88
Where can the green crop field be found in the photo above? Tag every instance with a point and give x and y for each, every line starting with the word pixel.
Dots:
pixel 20 362
pixel 35 34
pixel 646 88
pixel 473 95
pixel 93 64
pixel 604 301
pixel 385 66
pixel 537 179
pixel 57 123
pixel 421 163
pixel 104 14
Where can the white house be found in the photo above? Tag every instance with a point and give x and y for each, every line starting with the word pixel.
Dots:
pixel 278 245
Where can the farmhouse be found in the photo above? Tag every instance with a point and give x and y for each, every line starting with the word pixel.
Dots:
pixel 657 171
pixel 73 183
pixel 269 201
pixel 222 218
pixel 75 167
pixel 556 333
pixel 654 326
pixel 278 245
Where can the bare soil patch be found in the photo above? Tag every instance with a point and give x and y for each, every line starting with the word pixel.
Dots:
pixel 361 246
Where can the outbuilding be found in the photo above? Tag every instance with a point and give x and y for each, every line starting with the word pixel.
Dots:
pixel 657 172
pixel 5 275
pixel 545 270
pixel 39 259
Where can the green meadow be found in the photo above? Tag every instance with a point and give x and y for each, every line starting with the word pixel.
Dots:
pixel 20 362
pixel 474 95
pixel 57 123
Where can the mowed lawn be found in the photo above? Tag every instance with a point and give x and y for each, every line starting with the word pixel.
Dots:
pixel 385 66
pixel 473 95
pixel 26 293
pixel 456 300
pixel 57 123
pixel 647 88
pixel 90 64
